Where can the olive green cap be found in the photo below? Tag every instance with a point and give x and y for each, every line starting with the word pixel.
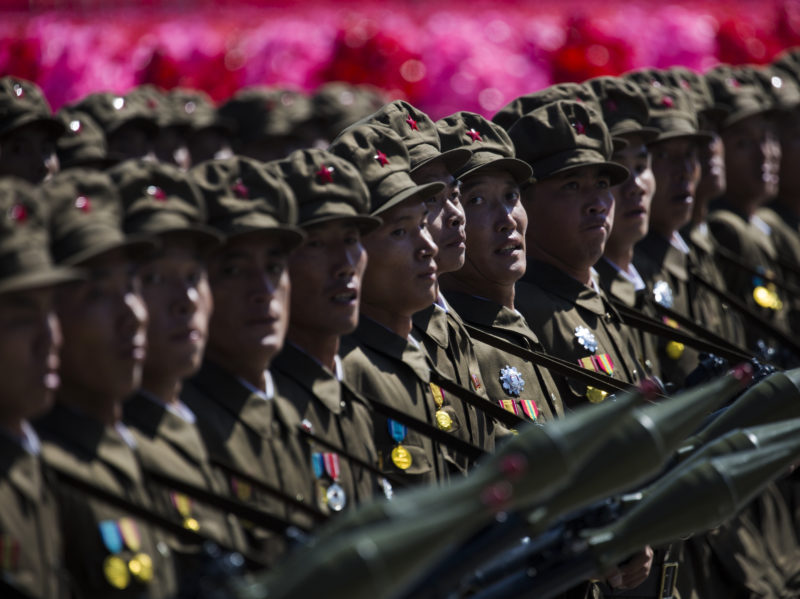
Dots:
pixel 25 261
pixel 245 196
pixel 337 105
pixel 327 188
pixel 671 109
pixel 780 88
pixel 260 111
pixel 734 95
pixel 490 145
pixel 197 110
pixel 112 111
pixel 154 102
pixel 789 62
pixel 562 136
pixel 160 199
pixel 23 103
pixel 419 134
pixel 83 144
pixel 86 217
pixel 624 107
pixel 514 110
pixel 381 158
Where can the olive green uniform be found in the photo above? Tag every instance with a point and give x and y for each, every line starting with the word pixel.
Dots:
pixel 31 552
pixel 785 235
pixel 534 384
pixel 384 367
pixel 563 312
pixel 250 433
pixel 329 411
pixel 103 544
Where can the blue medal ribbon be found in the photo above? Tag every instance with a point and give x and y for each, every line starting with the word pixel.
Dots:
pixel 318 464
pixel 396 430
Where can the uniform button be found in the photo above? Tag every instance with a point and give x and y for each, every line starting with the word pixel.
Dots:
pixel 342 404
pixel 607 317
pixel 299 497
pixel 162 548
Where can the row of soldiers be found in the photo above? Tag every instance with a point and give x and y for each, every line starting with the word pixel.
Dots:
pixel 238 350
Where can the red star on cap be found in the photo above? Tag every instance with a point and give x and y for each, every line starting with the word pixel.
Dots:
pixel 475 135
pixel 18 213
pixel 83 204
pixel 157 193
pixel 668 102
pixel 579 127
pixel 19 91
pixel 152 103
pixel 240 190
pixel 325 174
pixel 412 123
pixel 381 157
pixel 733 82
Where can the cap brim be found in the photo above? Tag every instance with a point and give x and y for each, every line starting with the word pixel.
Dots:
pixel 55 127
pixel 206 237
pixel 412 193
pixel 648 135
pixel 53 277
pixel 100 164
pixel 698 136
pixel 292 236
pixel 616 172
pixel 136 247
pixel 521 171
pixel 364 223
pixel 453 160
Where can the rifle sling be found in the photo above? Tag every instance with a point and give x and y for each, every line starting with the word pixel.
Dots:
pixel 732 258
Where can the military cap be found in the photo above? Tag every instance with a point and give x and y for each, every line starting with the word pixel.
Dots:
pixel 84 143
pixel 780 88
pixel 576 92
pixel 327 188
pixel 737 97
pixel 671 109
pixel 25 261
pixel 160 199
pixel 154 102
pixel 624 107
pixel 112 111
pixel 381 157
pixel 198 110
pixel 245 196
pixel 562 136
pixel 23 103
pixel 789 62
pixel 85 218
pixel 337 105
pixel 419 134
pixel 258 112
pixel 490 145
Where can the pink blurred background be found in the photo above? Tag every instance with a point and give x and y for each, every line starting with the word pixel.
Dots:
pixel 441 56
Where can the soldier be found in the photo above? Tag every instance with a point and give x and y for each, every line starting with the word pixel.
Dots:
pixel 161 201
pixel 169 141
pixel 83 144
pixel 438 327
pixel 336 105
pixel 568 147
pixel 207 133
pixel 249 430
pixel 482 291
pixel 111 547
pixel 326 274
pixel 32 562
pixel 382 360
pixel 28 132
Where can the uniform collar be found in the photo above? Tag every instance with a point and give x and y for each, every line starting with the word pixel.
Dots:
pixel 309 374
pixel 556 281
pixel 432 322
pixel 378 338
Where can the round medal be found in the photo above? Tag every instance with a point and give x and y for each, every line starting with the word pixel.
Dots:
pixel 401 457
pixel 595 395
pixel 674 350
pixel 443 420
pixel 116 572
pixel 763 296
pixel 191 524
pixel 141 566
pixel 336 497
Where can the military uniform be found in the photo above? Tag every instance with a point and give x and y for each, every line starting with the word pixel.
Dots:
pixel 109 552
pixel 785 234
pixel 520 386
pixel 330 411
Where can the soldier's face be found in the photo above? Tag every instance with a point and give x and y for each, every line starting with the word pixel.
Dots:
pixel 326 274
pixel 131 141
pixel 632 198
pixel 677 171
pixel 789 131
pixel 401 275
pixel 250 285
pixel 496 227
pixel 445 216
pixel 29 152
pixel 30 339
pixel 570 217
pixel 751 159
pixel 712 170
pixel 104 323
pixel 178 298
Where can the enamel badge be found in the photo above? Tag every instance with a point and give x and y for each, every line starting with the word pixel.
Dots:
pixel 586 338
pixel 512 381
pixel 662 293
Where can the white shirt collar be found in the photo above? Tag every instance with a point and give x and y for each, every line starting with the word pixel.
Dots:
pixel 126 434
pixel 632 275
pixel 269 386
pixel 440 302
pixel 180 409
pixel 30 440
pixel 678 243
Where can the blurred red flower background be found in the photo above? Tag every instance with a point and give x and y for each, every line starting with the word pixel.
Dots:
pixel 440 56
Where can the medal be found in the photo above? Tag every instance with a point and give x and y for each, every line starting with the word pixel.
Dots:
pixel 183 504
pixel 401 458
pixel 241 489
pixel 336 497
pixel 595 395
pixel 674 350
pixel 443 420
pixel 762 296
pixel 111 536
pixel 598 363
pixel 509 405
pixel 130 533
pixel 586 339
pixel 438 395
pixel 476 382
pixel 116 572
pixel 662 293
pixel 141 566
pixel 530 409
pixel 512 380
pixel 386 486
pixel 332 496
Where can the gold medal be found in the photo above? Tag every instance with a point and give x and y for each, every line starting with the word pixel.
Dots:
pixel 141 566
pixel 321 491
pixel 443 420
pixel 763 296
pixel 595 395
pixel 401 457
pixel 674 350
pixel 438 395
pixel 191 524
pixel 130 533
pixel 116 572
